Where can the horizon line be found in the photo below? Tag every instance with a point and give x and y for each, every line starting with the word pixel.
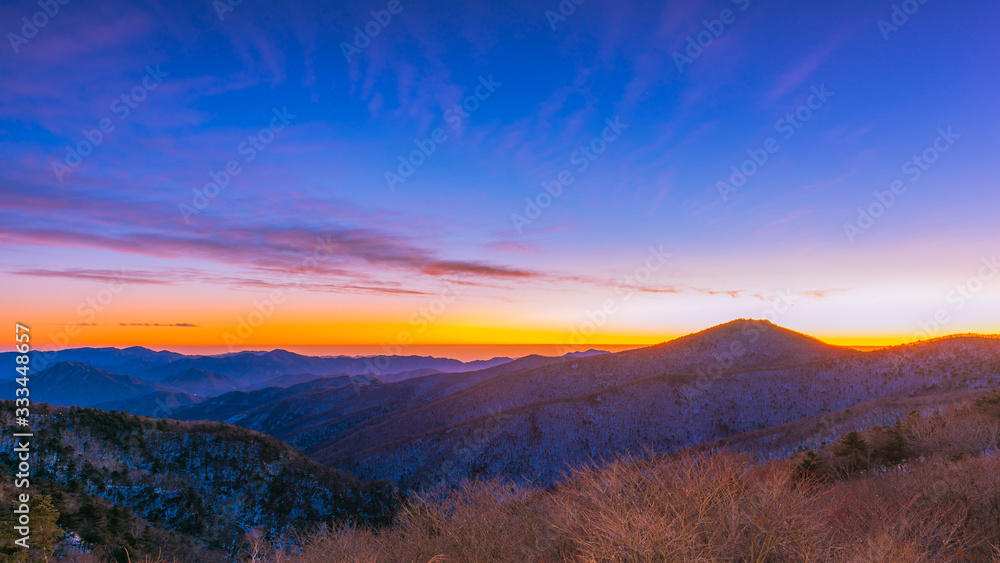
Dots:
pixel 387 348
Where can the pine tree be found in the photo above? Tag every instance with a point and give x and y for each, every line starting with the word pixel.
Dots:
pixel 852 450
pixel 45 531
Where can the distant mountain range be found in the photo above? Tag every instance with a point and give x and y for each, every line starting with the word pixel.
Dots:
pixel 142 381
pixel 534 417
pixel 124 361
pixel 80 384
pixel 256 367
pixel 310 413
pixel 159 404
pixel 274 441
pixel 249 368
pixel 200 382
pixel 537 417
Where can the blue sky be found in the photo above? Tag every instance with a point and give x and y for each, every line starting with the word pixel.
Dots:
pixel 219 81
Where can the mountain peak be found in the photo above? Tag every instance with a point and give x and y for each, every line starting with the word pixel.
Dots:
pixel 745 323
pixel 751 344
pixel 750 327
pixel 282 354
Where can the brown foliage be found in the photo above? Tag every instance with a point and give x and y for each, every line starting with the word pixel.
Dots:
pixel 926 489
pixel 710 507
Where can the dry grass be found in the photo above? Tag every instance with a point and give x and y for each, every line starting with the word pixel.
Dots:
pixel 697 507
pixel 924 490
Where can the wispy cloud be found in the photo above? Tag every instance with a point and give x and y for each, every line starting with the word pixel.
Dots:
pixel 732 293
pixel 335 251
pixel 106 276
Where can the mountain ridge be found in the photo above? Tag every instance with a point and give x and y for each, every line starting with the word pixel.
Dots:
pixel 533 417
pixel 561 411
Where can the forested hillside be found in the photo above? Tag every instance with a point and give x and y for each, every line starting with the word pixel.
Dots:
pixel 536 423
pixel 536 417
pixel 210 483
pixel 924 489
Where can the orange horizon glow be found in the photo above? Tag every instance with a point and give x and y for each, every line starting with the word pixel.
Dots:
pixel 219 320
pixel 451 341
pixel 513 234
pixel 859 307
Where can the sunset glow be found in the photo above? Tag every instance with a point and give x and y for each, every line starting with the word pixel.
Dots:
pixel 255 185
pixel 500 280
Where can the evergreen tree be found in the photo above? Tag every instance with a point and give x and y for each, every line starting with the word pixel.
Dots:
pixel 852 450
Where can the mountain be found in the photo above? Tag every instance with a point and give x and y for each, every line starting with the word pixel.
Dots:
pixel 287 380
pixel 83 385
pixel 248 368
pixel 537 416
pixel 924 488
pixel 79 384
pixel 311 412
pixel 159 404
pixel 210 482
pixel 585 354
pixel 294 379
pixel 256 367
pixel 745 385
pixel 201 382
pixel 743 376
pixel 742 344
pixel 274 409
pixel 126 361
pixel 394 377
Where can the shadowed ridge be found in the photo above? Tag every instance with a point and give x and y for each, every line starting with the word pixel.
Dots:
pixel 955 342
pixel 201 382
pixel 964 335
pixel 77 383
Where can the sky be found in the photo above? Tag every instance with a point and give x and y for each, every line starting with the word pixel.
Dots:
pixel 241 174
